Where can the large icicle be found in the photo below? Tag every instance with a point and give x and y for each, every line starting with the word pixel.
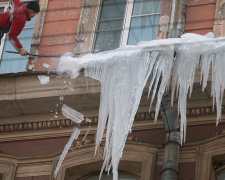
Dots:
pixel 188 55
pixel 218 78
pixel 123 74
pixel 183 77
pixel 122 83
pixel 162 69
pixel 74 135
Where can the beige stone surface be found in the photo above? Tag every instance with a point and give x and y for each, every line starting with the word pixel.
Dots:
pixel 23 94
pixel 35 169
pixel 219 23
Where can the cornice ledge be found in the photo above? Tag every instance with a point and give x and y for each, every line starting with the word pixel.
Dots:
pixel 66 123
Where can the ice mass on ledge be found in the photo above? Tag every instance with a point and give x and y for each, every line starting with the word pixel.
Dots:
pixel 169 64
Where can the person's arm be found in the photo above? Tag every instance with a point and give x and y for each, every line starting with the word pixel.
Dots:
pixel 16 28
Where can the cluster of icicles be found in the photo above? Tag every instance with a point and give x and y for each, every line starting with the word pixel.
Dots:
pixel 123 73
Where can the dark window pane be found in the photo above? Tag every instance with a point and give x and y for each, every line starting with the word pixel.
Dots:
pixel 146 7
pixel 109 25
pixel 221 176
pixel 112 9
pixel 1 9
pixel 111 22
pixel 107 40
pixel 143 29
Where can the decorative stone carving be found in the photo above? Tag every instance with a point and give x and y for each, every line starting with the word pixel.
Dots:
pixel 65 123
pixel 219 22
pixel 82 28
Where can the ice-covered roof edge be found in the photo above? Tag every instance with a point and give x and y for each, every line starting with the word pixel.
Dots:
pixel 123 73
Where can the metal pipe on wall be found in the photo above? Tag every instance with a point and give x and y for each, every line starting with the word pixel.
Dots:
pixel 168 113
pixel 172 142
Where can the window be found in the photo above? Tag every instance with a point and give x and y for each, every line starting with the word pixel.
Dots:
pixel 11 63
pixel 124 22
pixel 121 176
pixel 3 7
pixel 220 175
pixel 144 21
pixel 219 168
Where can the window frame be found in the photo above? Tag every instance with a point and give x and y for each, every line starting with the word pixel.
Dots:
pixel 7 169
pixel 133 151
pixel 207 150
pixel 219 171
pixel 88 23
pixel 97 173
pixel 4 5
pixel 126 22
pixel 37 31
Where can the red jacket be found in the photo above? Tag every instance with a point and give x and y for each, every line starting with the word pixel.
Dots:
pixel 20 16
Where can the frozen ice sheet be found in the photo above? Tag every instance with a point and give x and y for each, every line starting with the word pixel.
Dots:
pixel 124 72
pixel 72 114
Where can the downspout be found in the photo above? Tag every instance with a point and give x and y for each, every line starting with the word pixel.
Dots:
pixel 168 113
pixel 172 142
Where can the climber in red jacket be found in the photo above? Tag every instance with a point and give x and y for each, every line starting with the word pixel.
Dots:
pixel 14 20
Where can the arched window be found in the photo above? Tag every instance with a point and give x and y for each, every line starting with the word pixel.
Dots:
pixel 122 176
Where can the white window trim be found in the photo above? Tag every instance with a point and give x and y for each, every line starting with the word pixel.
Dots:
pixel 98 10
pixel 126 22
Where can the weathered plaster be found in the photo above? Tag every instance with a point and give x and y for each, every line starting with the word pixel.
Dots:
pixel 219 23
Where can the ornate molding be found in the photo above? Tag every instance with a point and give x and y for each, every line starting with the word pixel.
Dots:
pixel 138 152
pixel 82 27
pixel 86 26
pixel 66 123
pixel 51 124
pixel 219 22
pixel 8 169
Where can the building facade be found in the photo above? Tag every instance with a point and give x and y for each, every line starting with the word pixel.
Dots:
pixel 33 132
